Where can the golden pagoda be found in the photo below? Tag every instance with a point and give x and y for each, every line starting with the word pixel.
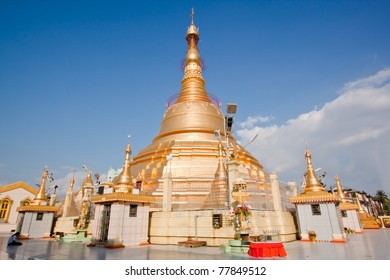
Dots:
pixel 187 133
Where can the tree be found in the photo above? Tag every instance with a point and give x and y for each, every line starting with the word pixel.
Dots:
pixel 381 197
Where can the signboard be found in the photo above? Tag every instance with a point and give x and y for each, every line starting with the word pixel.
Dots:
pixel 133 210
pixel 217 220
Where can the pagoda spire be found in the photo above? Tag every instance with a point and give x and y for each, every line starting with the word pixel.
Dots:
pixel 193 84
pixel 221 169
pixel 312 182
pixel 87 183
pixel 41 196
pixel 71 184
pixel 340 192
pixel 361 209
pixel 123 182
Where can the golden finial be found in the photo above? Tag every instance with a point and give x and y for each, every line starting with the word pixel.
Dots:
pixel 41 196
pixel 221 169
pixel 192 16
pixel 71 183
pixel 88 182
pixel 361 209
pixel 340 192
pixel 128 148
pixel 312 182
pixel 124 181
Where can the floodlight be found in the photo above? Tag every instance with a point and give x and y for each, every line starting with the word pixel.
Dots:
pixel 231 108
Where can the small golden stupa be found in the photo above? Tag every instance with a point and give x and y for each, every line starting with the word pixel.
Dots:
pixel 313 191
pixel 344 204
pixel 368 221
pixel 35 220
pixel 318 215
pixel 187 133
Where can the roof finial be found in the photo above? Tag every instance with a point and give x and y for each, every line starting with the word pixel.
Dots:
pixel 192 16
pixel 128 148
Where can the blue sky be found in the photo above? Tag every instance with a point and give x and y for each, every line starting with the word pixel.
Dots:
pixel 76 77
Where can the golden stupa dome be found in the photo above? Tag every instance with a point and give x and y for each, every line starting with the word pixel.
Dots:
pixel 187 133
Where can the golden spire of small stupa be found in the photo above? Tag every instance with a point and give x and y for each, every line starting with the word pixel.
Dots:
pixel 340 192
pixel 41 196
pixel 71 184
pixel 312 182
pixel 124 182
pixel 361 209
pixel 221 169
pixel 87 183
pixel 193 84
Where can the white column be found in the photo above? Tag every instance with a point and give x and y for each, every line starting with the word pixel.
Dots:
pixel 276 192
pixel 67 204
pixel 167 193
pixel 53 199
pixel 293 188
pixel 232 166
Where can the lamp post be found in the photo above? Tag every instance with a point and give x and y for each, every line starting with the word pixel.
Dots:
pixel 231 110
pixel 232 165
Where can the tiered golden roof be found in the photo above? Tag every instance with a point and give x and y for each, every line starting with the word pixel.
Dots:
pixel 313 191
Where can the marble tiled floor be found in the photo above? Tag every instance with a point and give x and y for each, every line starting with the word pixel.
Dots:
pixel 371 245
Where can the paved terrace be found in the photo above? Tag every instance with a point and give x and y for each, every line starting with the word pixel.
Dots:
pixel 371 245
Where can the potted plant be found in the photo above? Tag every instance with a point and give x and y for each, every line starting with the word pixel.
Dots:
pixel 312 235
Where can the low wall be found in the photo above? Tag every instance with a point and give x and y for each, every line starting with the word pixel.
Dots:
pixel 173 227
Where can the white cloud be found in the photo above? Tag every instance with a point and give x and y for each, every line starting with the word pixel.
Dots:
pixel 63 182
pixel 349 136
pixel 372 81
pixel 252 121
